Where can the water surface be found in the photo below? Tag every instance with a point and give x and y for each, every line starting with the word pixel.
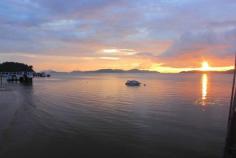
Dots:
pixel 96 115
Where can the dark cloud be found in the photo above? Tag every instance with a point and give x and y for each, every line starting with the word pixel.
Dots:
pixel 203 44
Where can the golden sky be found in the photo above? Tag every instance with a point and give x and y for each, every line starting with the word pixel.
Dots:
pixel 166 36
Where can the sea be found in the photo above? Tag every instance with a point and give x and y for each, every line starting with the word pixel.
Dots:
pixel 96 115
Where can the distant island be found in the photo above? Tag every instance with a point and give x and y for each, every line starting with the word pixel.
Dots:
pixel 142 71
pixel 21 67
pixel 15 67
pixel 216 72
pixel 116 71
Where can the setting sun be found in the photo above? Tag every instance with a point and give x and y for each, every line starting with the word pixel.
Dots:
pixel 205 66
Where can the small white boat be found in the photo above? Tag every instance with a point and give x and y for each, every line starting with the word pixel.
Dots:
pixel 132 83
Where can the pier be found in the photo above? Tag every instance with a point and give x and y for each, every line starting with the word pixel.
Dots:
pixel 230 144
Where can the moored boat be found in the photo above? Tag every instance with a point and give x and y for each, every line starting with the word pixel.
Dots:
pixel 132 83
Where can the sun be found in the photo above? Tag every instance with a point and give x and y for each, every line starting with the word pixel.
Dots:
pixel 205 66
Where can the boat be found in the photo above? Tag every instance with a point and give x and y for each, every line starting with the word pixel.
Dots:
pixel 41 74
pixel 132 83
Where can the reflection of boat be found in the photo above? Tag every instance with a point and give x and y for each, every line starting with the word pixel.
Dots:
pixel 132 83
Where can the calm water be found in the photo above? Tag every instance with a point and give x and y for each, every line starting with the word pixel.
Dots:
pixel 96 115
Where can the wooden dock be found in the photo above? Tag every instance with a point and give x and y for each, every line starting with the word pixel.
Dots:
pixel 230 149
pixel 230 143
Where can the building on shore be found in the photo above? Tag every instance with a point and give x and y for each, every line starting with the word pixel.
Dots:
pixel 23 76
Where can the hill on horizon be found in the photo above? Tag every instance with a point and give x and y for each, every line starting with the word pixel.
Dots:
pixel 116 71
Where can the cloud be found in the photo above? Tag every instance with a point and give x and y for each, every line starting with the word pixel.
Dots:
pixel 109 58
pixel 199 46
pixel 169 32
pixel 119 52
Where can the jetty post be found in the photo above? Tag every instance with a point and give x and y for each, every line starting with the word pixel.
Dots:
pixel 1 78
pixel 230 142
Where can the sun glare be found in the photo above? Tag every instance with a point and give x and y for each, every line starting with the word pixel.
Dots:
pixel 205 66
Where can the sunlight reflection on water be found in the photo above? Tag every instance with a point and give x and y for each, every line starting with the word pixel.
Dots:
pixel 204 89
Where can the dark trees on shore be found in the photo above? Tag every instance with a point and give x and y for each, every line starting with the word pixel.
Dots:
pixel 15 67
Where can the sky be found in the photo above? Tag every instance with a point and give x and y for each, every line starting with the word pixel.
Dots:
pixel 159 35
